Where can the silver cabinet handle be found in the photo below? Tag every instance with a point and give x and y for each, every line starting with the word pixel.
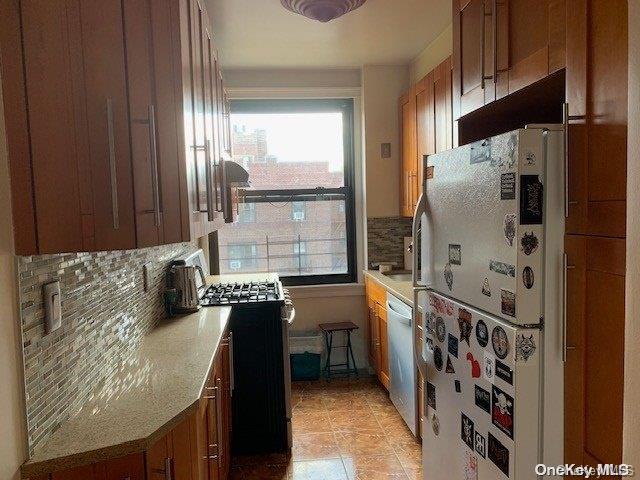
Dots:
pixel 565 144
pixel 495 41
pixel 112 165
pixel 153 148
pixel 565 273
pixel 168 469
pixel 207 159
pixel 482 52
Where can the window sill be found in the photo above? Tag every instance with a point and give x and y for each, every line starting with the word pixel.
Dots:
pixel 329 290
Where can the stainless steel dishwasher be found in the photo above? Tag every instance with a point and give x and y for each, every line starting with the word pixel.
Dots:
pixel 402 384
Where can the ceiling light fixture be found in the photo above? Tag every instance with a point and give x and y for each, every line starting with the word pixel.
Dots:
pixel 322 10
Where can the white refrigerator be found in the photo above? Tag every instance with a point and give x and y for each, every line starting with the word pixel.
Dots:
pixel 489 281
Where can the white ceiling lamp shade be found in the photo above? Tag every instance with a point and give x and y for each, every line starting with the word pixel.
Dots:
pixel 322 10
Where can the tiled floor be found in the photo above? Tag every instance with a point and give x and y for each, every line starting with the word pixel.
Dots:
pixel 342 430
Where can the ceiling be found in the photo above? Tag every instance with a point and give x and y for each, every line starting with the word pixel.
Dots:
pixel 261 33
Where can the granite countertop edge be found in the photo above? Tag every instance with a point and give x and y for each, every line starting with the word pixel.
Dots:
pixel 401 289
pixel 43 463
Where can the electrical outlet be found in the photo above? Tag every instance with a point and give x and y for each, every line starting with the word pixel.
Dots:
pixel 385 150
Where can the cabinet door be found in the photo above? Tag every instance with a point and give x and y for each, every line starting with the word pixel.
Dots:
pixel 596 87
pixel 408 176
pixel 225 408
pixel 201 432
pixel 56 128
pixel 384 345
pixel 125 468
pixel 594 370
pixel 108 124
pixel 442 106
pixel 425 123
pixel 156 155
pixel 374 344
pixel 213 421
pixel 472 55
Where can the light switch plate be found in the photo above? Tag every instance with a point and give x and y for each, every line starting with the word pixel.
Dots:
pixel 145 276
pixel 385 150
pixel 52 306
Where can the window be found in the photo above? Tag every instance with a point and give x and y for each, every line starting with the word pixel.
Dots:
pixel 246 212
pixel 241 258
pixel 299 211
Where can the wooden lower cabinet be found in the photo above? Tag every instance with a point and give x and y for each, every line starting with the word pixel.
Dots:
pixel 594 371
pixel 197 448
pixel 378 340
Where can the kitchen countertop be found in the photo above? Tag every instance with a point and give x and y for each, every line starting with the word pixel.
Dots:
pixel 152 392
pixel 403 290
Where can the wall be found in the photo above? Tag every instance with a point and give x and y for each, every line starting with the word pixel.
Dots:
pixel 432 55
pixel 12 443
pixel 631 425
pixel 105 314
pixel 287 78
pixel 381 87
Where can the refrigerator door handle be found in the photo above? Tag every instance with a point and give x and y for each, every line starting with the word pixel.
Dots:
pixel 417 286
pixel 565 289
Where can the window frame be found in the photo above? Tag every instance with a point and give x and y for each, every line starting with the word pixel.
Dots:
pixel 345 106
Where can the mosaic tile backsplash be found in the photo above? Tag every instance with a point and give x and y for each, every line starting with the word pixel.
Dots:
pixel 385 239
pixel 105 313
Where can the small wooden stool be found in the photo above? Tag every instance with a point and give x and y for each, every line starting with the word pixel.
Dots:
pixel 328 329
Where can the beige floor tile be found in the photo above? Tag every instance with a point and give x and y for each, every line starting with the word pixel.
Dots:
pixel 312 421
pixel 409 453
pixel 354 421
pixel 364 467
pixel 314 446
pixel 332 469
pixel 362 443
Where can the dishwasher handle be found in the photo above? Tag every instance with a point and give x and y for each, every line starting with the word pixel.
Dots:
pixel 403 319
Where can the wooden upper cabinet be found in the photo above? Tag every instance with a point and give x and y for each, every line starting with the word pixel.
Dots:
pixel 501 46
pixel 425 123
pixel 443 116
pixel 596 85
pixel 114 120
pixel 472 52
pixel 409 163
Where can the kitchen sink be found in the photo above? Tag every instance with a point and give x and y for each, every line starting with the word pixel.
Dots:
pixel 399 276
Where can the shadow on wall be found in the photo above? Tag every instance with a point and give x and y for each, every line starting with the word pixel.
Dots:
pixel 12 445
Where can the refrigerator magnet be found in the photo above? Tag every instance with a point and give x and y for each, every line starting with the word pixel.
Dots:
pixel 531 201
pixel 431 395
pixel 508 302
pixel 455 254
pixel 483 399
pixel 528 278
pixel 486 289
pixel 525 347
pixel 509 228
pixel 452 345
pixel 464 323
pixel 529 243
pixel 498 454
pixel 481 445
pixel 448 276
pixel 489 367
pixel 449 368
pixel 441 330
pixel 475 365
pixel 480 152
pixel 470 467
pixel 508 186
pixel 504 372
pixel 467 431
pixel 437 358
pixel 502 268
pixel 458 387
pixel 435 425
pixel 500 342
pixel 502 411
pixel 482 333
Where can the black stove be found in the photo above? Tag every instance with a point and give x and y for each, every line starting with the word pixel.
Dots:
pixel 241 293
